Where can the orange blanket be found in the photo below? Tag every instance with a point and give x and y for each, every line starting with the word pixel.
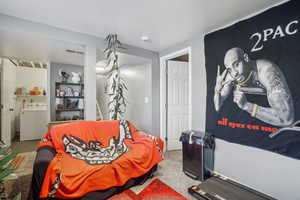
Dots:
pixel 96 156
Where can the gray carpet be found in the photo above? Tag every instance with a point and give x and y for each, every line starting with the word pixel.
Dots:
pixel 24 146
pixel 170 172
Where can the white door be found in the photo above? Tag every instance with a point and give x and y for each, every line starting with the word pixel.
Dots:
pixel 177 102
pixel 8 84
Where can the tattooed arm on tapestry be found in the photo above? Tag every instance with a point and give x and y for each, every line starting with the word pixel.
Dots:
pixel 281 110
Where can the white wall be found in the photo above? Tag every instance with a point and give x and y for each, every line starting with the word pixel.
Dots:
pixel 265 171
pixel 31 77
pixel 138 80
pixel 101 96
pixel 90 83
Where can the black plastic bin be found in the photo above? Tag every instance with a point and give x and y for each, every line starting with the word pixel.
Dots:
pixel 198 154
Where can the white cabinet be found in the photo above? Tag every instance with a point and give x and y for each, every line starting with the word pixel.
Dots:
pixel 33 124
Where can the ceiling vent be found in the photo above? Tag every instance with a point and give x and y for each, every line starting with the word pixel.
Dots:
pixel 74 51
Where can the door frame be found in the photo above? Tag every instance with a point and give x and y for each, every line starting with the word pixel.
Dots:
pixel 163 89
pixel 1 89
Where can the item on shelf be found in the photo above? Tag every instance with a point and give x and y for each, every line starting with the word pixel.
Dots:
pixel 69 92
pixel 76 93
pixel 67 103
pixel 57 92
pixel 65 118
pixel 75 117
pixel 35 91
pixel 80 104
pixel 24 91
pixel 23 103
pixel 72 104
pixel 64 75
pixel 60 106
pixel 44 92
pixel 76 77
pixel 62 93
pixel 58 101
pixel 19 91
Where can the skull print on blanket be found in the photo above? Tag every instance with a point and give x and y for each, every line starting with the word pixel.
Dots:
pixel 93 153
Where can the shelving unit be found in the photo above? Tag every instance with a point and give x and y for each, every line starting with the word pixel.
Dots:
pixel 69 104
pixel 66 83
pixel 72 97
pixel 68 110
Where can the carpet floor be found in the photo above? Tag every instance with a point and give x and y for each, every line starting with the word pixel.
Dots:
pixel 170 172
pixel 24 146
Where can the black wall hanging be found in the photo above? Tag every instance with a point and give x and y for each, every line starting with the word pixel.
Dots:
pixel 253 81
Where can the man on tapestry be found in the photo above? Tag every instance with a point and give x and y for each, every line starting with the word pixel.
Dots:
pixel 261 77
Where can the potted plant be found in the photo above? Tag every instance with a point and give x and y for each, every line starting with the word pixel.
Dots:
pixel 116 86
pixel 6 170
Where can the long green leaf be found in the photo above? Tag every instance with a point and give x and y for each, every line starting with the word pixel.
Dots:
pixel 7 158
pixel 4 150
pixel 125 86
pixel 4 173
pixel 18 197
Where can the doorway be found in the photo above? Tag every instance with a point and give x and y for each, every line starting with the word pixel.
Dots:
pixel 24 100
pixel 175 97
pixel 31 68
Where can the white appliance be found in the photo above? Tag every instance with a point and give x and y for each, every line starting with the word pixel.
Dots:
pixel 33 123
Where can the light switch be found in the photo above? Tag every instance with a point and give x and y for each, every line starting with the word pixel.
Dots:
pixel 146 99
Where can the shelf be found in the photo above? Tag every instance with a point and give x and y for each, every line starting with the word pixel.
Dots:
pixel 74 97
pixel 28 95
pixel 69 110
pixel 61 83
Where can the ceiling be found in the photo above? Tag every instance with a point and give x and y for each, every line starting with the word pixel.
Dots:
pixel 166 22
pixel 123 59
pixel 32 47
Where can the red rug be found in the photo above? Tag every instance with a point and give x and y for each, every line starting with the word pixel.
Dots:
pixel 126 195
pixel 156 190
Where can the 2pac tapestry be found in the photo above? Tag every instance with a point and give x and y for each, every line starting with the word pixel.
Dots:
pixel 253 81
